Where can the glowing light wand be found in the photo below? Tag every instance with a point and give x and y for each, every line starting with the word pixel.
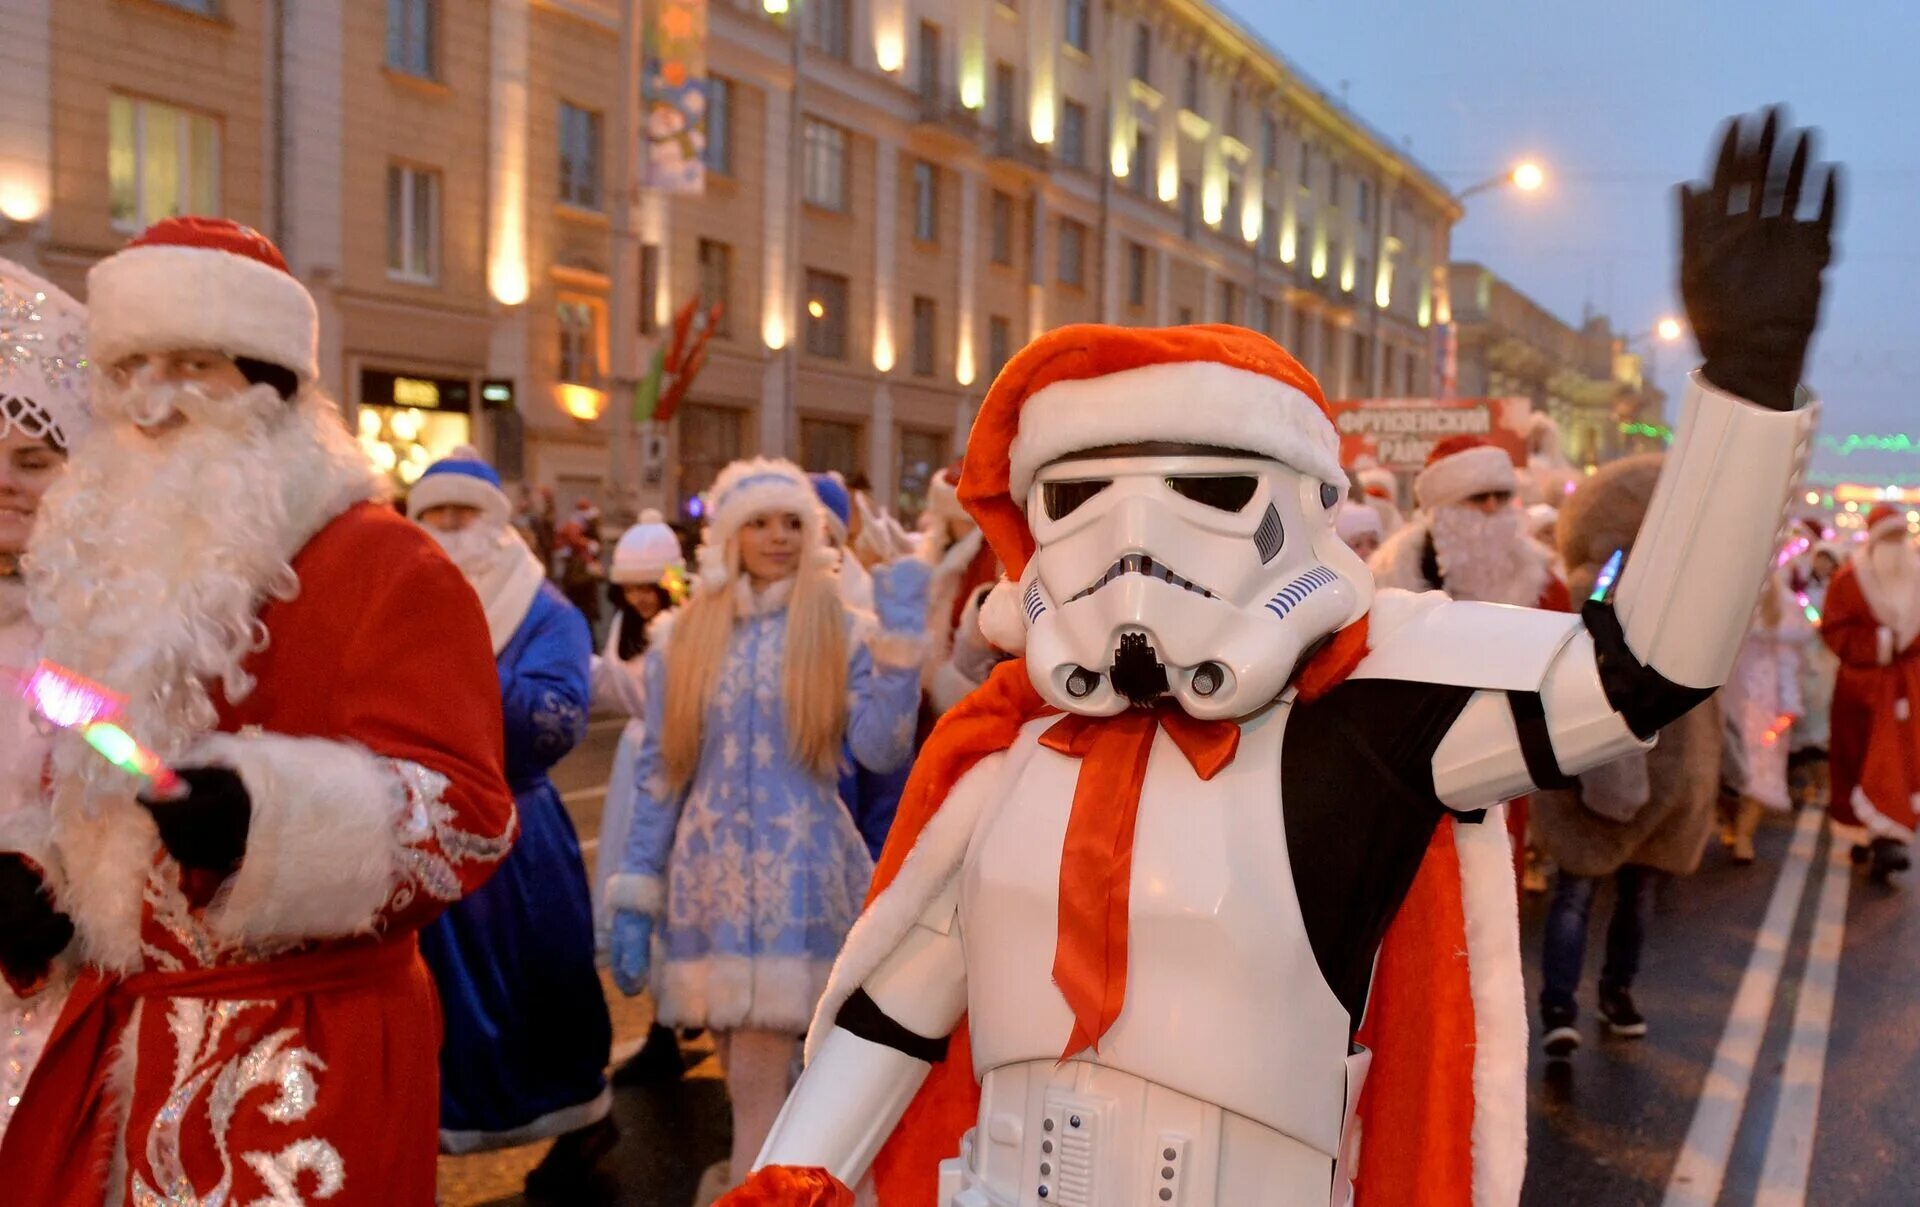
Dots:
pixel 73 701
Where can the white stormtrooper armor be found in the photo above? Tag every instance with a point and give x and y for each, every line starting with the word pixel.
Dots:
pixel 1202 1092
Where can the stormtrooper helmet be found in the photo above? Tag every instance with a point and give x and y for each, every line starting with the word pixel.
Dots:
pixel 1176 493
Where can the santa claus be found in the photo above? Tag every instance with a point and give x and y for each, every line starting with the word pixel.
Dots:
pixel 1469 538
pixel 1380 490
pixel 1872 623
pixel 252 1021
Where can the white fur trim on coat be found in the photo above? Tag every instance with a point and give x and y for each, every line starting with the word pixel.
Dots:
pixel 172 298
pixel 637 891
pixel 1468 472
pixel 1199 401
pixel 1492 912
pixel 324 849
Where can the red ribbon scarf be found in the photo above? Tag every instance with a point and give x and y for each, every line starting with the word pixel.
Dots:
pixel 1096 864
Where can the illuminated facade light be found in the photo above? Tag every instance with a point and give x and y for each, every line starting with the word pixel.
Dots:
pixel 973 85
pixel 1289 244
pixel 1121 165
pixel 883 356
pixel 1169 182
pixel 1250 224
pixel 21 202
pixel 1040 118
pixel 774 8
pixel 1383 288
pixel 1319 264
pixel 816 308
pixel 889 50
pixel 963 371
pixel 773 332
pixel 582 402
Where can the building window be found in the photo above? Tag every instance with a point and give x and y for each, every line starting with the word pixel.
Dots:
pixel 1073 134
pixel 927 68
pixel 1189 209
pixel 1190 85
pixel 1143 53
pixel 710 440
pixel 716 282
pixel 1136 274
pixel 824 25
pixel 1005 102
pixel 1231 218
pixel 413 224
pixel 580 342
pixel 1269 143
pixel 826 314
pixel 1233 113
pixel 925 321
pixel 1229 302
pixel 1363 204
pixel 206 8
pixel 1269 231
pixel 921 454
pixel 1333 184
pixel 1306 164
pixel 828 445
pixel 825 166
pixel 1073 252
pixel 926 201
pixel 413 35
pixel 1263 317
pixel 650 288
pixel 1185 314
pixel 579 157
pixel 999 343
pixel 1362 373
pixel 1142 158
pixel 161 162
pixel 1000 212
pixel 719 153
pixel 1080 24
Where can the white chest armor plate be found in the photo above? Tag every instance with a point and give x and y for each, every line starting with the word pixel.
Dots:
pixel 1226 1078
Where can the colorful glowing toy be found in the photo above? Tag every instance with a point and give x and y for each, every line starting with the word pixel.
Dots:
pixel 1603 585
pixel 73 701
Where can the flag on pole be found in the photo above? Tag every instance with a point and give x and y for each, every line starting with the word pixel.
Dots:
pixel 646 391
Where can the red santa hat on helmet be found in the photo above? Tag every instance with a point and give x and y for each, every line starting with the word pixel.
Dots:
pixel 1463 466
pixel 202 283
pixel 1885 520
pixel 1090 386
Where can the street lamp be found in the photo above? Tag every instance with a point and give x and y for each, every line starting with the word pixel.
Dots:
pixel 1668 329
pixel 1527 176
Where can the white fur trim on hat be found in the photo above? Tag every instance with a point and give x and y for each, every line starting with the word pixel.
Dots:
pixel 1002 621
pixel 1470 471
pixel 1199 401
pixel 1888 525
pixel 171 298
pixel 1355 520
pixel 457 490
pixel 745 489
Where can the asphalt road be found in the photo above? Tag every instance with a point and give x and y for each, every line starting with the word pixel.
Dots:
pixel 1782 1065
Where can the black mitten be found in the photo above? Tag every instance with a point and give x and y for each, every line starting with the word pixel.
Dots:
pixel 32 931
pixel 205 829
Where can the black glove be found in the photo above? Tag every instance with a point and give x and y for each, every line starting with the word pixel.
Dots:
pixel 32 931
pixel 1750 267
pixel 205 829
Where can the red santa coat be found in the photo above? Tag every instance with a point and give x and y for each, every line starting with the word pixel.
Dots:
pixel 279 1040
pixel 1874 745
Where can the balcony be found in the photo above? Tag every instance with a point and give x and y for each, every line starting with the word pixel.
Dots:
pixel 1016 147
pixel 942 113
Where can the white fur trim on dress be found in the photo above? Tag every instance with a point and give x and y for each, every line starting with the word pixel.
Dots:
pixel 934 860
pixel 731 993
pixel 1202 402
pixel 1492 912
pixel 171 299
pixel 1468 472
pixel 638 891
pixel 324 849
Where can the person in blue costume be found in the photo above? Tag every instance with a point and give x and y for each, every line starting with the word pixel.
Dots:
pixel 871 796
pixel 741 855
pixel 527 1032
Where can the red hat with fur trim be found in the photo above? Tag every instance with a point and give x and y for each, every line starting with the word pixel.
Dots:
pixel 1463 466
pixel 1090 385
pixel 1885 519
pixel 202 283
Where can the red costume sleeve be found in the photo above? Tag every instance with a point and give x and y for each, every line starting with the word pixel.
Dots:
pixel 1848 625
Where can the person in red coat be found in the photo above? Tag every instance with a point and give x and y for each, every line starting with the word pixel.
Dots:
pixel 251 1020
pixel 1872 624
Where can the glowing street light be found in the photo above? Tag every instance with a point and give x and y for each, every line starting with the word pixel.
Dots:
pixel 1668 329
pixel 1528 176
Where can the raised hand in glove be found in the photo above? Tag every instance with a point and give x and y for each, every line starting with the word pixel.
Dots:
pixel 205 828
pixel 900 594
pixel 1750 267
pixel 32 931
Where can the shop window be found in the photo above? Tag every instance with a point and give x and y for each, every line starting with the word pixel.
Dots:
pixel 413 224
pixel 413 36
pixel 162 162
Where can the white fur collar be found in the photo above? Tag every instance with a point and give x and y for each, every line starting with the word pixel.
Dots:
pixel 507 586
pixel 1900 614
pixel 771 598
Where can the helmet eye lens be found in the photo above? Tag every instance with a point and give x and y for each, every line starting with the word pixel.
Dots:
pixel 1222 492
pixel 1062 499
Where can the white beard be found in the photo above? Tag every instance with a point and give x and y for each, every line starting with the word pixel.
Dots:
pixel 474 548
pixel 1487 558
pixel 152 556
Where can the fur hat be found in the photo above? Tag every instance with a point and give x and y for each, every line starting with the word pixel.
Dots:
pixel 44 384
pixel 1885 520
pixel 1463 466
pixel 460 479
pixel 202 283
pixel 745 489
pixel 645 552
pixel 1603 515
pixel 1353 520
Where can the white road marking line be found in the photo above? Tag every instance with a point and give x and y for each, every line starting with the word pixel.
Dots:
pixel 579 794
pixel 1702 1165
pixel 588 847
pixel 1789 1158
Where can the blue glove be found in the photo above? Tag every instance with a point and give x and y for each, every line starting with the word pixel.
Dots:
pixel 631 950
pixel 900 594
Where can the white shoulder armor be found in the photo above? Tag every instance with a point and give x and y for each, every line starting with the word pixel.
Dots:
pixel 1493 647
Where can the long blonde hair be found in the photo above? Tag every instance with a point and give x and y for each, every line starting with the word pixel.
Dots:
pixel 814 679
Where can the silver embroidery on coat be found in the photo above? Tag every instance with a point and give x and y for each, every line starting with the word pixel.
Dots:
pixel 435 843
pixel 198 1027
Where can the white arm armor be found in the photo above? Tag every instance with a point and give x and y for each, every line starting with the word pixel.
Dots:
pixel 855 1089
pixel 1683 602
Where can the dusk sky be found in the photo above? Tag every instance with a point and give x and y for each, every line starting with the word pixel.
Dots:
pixel 1620 100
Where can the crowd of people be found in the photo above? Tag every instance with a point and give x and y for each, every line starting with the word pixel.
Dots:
pixel 325 915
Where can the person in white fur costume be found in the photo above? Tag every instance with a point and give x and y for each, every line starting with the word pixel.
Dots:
pixel 43 411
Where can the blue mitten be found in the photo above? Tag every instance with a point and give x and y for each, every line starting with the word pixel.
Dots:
pixel 900 594
pixel 631 950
